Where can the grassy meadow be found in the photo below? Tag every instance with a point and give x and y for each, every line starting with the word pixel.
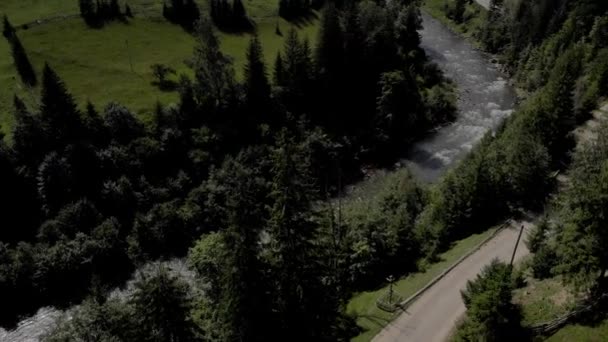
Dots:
pixel 113 63
pixel 581 333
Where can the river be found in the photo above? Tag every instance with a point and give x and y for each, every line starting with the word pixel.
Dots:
pixel 485 99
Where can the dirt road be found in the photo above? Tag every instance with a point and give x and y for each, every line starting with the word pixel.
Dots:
pixel 432 317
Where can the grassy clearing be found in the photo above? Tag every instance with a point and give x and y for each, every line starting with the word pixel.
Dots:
pixel 474 17
pixel 27 11
pixel 543 300
pixel 113 63
pixel 581 333
pixel 363 305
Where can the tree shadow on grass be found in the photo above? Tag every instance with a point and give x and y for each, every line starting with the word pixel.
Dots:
pixel 595 316
pixel 304 19
pixel 166 85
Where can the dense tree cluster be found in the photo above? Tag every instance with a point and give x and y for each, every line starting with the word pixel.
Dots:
pixel 230 17
pixel 241 167
pixel 98 13
pixel 157 311
pixel 22 63
pixel 571 244
pixel 182 12
pixel 510 169
pixel 490 314
pixel 293 9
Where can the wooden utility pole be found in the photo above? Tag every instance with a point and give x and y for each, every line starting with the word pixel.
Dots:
pixel 129 53
pixel 517 244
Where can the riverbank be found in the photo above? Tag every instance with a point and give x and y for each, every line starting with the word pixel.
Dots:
pixel 485 100
pixel 475 15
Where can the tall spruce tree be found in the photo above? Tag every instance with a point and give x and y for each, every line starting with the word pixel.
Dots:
pixel 214 76
pixel 243 306
pixel 257 87
pixel 59 115
pixel 494 34
pixel 278 75
pixel 239 16
pixel 88 11
pixel 490 314
pixel 115 9
pixel 19 207
pixel 291 250
pixel 298 73
pixel 458 10
pixel 29 141
pixel 162 309
pixel 329 56
pixel 409 22
pixel 94 125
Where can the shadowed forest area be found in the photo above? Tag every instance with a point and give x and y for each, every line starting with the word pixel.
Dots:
pixel 237 176
pixel 250 133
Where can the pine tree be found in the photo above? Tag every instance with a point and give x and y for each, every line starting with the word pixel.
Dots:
pixel 55 186
pixel 159 119
pixel 298 70
pixel 329 56
pixel 115 10
pixel 214 5
pixel 28 136
pixel 293 55
pixel 291 231
pixel 490 314
pixel 22 62
pixel 283 8
pixel 238 14
pixel 8 31
pixel 459 9
pixel 279 71
pixel 167 12
pixel 187 104
pixel 257 87
pixel 407 26
pixel 18 200
pixel 243 303
pixel 494 34
pixel 88 11
pixel 95 127
pixel 162 307
pixel 128 12
pixel 191 15
pixel 214 76
pixel 59 115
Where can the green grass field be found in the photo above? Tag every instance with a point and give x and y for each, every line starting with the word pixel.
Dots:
pixel 544 300
pixel 363 305
pixel 113 63
pixel 581 333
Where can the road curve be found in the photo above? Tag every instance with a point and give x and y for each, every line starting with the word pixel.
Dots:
pixel 432 317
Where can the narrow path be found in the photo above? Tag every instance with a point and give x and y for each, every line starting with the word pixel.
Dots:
pixel 433 316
